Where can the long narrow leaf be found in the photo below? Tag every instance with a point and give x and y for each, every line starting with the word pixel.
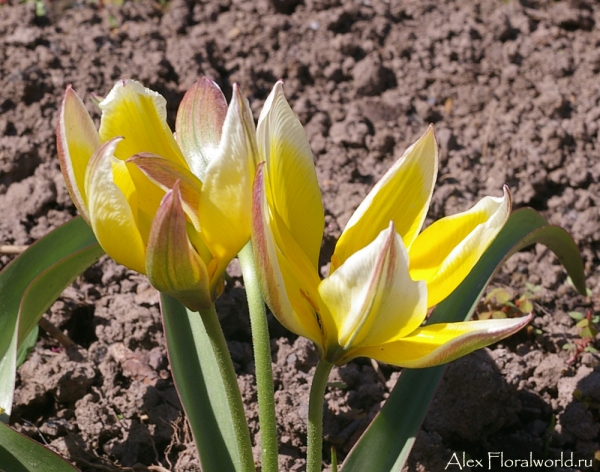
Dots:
pixel 27 345
pixel 47 286
pixel 31 283
pixel 387 442
pixel 200 387
pixel 19 453
pixel 8 369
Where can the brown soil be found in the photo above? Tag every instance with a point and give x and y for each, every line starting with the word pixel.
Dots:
pixel 512 88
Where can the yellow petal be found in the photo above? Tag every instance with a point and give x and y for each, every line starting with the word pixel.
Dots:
pixel 111 216
pixel 446 251
pixel 174 267
pixel 440 343
pixel 165 173
pixel 200 118
pixel 402 196
pixel 140 116
pixel 148 194
pixel 371 297
pixel 77 140
pixel 291 299
pixel 295 194
pixel 226 199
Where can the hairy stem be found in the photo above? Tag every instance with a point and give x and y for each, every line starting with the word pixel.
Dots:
pixel 315 417
pixel 262 361
pixel 232 391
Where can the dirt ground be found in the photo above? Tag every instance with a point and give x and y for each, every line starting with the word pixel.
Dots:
pixel 513 90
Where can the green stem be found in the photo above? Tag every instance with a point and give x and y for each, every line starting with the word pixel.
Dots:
pixel 232 392
pixel 315 417
pixel 262 361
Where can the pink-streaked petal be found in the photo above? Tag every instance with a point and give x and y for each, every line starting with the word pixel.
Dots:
pixel 77 140
pixel 199 124
pixel 371 297
pixel 226 202
pixel 440 343
pixel 174 267
pixel 291 303
pixel 165 173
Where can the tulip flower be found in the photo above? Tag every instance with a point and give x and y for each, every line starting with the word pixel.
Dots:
pixel 177 210
pixel 384 274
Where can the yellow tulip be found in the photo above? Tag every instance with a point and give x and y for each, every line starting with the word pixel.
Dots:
pixel 176 210
pixel 384 275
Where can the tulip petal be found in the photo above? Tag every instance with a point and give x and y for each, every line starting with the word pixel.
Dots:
pixel 446 251
pixel 295 196
pixel 140 116
pixel 110 211
pixel 292 301
pixel 149 194
pixel 402 196
pixel 174 266
pixel 440 343
pixel 77 141
pixel 165 173
pixel 371 297
pixel 199 122
pixel 226 201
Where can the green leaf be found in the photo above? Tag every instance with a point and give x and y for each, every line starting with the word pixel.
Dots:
pixel 501 295
pixel 201 387
pixel 27 345
pixel 19 453
pixel 525 306
pixel 576 315
pixel 31 283
pixel 588 332
pixel 387 442
pixel 533 288
pixel 8 369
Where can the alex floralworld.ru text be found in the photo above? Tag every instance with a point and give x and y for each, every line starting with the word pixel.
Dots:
pixel 458 461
